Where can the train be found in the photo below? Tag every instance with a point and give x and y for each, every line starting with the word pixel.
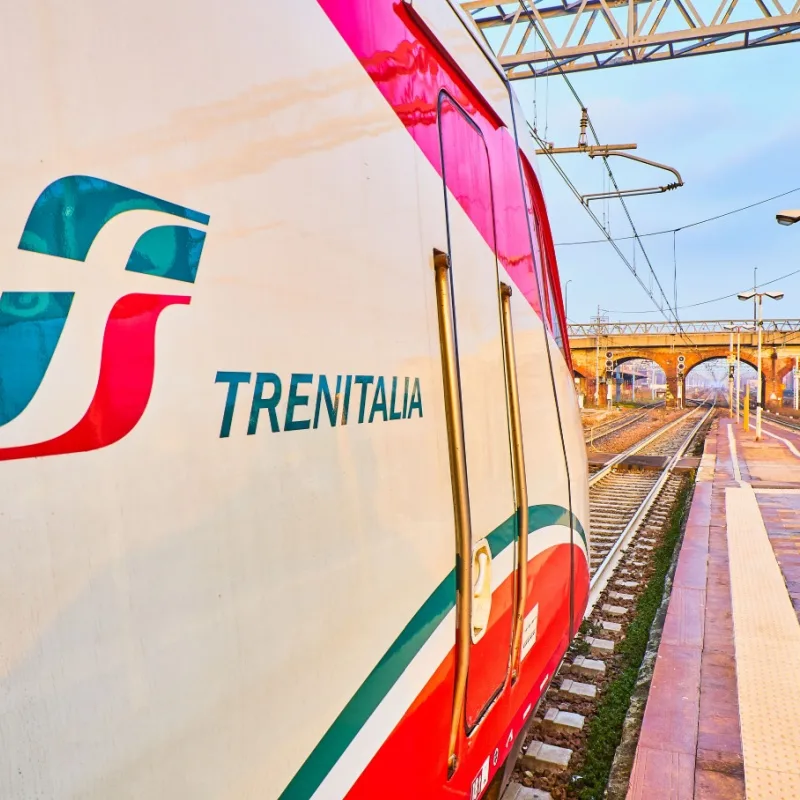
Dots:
pixel 294 487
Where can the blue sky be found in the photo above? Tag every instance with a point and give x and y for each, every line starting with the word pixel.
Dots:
pixel 730 123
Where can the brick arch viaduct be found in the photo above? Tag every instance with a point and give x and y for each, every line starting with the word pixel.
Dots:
pixel 697 342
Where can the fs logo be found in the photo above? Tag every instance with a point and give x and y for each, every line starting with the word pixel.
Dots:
pixel 64 222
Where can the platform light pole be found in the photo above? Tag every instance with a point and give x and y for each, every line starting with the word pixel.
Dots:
pixel 789 217
pixel 759 296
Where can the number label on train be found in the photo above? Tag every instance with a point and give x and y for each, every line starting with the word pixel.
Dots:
pixel 304 401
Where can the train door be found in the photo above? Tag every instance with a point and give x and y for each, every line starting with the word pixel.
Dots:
pixel 468 287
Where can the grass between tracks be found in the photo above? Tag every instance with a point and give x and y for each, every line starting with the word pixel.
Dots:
pixel 605 728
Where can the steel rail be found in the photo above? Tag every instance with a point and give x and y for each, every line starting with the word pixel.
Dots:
pixel 778 420
pixel 601 473
pixel 603 573
pixel 616 425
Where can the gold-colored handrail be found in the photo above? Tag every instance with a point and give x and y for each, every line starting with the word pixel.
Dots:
pixel 520 480
pixel 458 477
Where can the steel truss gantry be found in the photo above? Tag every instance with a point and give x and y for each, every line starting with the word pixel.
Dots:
pixel 720 326
pixel 594 34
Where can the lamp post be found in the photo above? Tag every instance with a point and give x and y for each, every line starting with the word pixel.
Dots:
pixel 759 296
pixel 788 217
pixel 755 289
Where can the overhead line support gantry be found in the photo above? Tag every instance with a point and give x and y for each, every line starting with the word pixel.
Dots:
pixel 597 34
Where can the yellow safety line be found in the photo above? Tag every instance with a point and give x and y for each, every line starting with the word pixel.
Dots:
pixel 767 641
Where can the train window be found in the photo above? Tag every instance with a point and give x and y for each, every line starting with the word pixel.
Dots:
pixel 555 317
pixel 544 257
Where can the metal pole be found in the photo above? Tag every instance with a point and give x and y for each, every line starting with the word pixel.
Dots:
pixel 730 378
pixel 758 386
pixel 597 364
pixel 755 289
pixel 796 406
pixel 738 370
pixel 746 420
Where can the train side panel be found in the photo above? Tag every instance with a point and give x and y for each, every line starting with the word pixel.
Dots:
pixel 232 576
pixel 191 607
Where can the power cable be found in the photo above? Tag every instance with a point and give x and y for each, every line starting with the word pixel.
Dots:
pixel 613 180
pixel 713 300
pixel 684 227
pixel 597 221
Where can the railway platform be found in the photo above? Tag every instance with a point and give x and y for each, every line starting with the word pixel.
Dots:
pixel 722 718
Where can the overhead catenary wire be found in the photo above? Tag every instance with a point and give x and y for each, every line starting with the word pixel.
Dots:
pixel 594 217
pixel 713 299
pixel 613 180
pixel 683 227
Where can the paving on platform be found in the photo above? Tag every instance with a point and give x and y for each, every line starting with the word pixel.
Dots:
pixel 723 715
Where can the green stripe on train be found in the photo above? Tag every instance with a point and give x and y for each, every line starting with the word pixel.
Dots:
pixel 402 652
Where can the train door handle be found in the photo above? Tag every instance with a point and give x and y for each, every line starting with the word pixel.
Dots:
pixel 520 480
pixel 481 589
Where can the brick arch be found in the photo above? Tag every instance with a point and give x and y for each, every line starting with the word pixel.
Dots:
pixel 724 354
pixel 774 367
pixel 645 354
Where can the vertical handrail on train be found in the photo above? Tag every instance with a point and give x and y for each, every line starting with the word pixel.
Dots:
pixel 520 480
pixel 458 477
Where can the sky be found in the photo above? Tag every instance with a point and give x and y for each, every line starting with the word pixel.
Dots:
pixel 730 124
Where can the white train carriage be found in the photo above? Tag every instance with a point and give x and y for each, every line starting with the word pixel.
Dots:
pixel 293 487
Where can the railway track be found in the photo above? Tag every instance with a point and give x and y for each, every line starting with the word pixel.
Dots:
pixel 790 423
pixel 782 421
pixel 619 501
pixel 597 432
pixel 629 515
